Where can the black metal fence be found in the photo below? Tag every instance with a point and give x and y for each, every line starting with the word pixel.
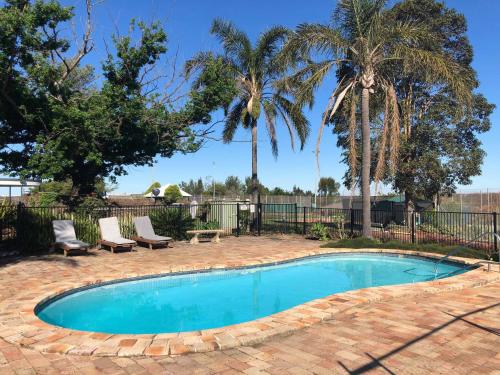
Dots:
pixel 30 228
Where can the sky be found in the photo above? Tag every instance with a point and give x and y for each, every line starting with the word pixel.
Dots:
pixel 187 24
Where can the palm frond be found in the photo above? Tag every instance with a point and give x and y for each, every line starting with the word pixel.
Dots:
pixel 335 100
pixel 234 117
pixel 270 115
pixel 268 48
pixel 295 116
pixel 436 67
pixel 382 143
pixel 235 42
pixel 395 129
pixel 359 18
pixel 306 80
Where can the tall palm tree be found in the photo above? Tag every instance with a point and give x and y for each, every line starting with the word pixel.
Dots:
pixel 256 72
pixel 365 47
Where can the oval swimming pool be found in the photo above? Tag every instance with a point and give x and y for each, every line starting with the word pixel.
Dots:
pixel 195 301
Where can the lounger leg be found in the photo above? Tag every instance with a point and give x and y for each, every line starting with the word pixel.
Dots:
pixel 150 246
pixel 194 240
pixel 216 238
pixel 65 252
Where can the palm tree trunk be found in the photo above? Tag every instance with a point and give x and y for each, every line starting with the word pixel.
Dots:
pixel 255 181
pixel 366 162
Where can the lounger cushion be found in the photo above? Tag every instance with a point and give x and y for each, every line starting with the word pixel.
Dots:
pixel 120 241
pixel 110 230
pixel 144 229
pixel 72 244
pixel 64 230
pixel 155 237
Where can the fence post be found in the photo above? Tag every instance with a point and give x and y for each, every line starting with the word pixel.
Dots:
pixel 352 222
pixel 259 217
pixel 237 219
pixel 413 237
pixel 18 220
pixel 304 222
pixel 495 230
pixel 296 219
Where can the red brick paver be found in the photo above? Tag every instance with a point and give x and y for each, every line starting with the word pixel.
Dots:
pixel 443 327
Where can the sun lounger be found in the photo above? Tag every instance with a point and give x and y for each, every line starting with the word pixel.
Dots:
pixel 146 233
pixel 64 232
pixel 111 236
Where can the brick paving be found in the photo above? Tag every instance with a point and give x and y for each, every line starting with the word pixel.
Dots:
pixel 441 327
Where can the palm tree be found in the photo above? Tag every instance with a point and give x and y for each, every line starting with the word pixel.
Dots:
pixel 256 72
pixel 365 48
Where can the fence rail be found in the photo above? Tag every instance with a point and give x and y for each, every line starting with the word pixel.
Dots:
pixel 30 228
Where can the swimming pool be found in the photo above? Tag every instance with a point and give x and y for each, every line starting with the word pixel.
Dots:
pixel 203 300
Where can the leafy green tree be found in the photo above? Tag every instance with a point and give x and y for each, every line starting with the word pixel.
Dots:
pixel 172 194
pixel 193 187
pixel 279 191
pixel 366 47
pixel 249 187
pixel 57 124
pixel 439 147
pixel 255 71
pixel 439 144
pixel 327 186
pixel 154 185
pixel 234 186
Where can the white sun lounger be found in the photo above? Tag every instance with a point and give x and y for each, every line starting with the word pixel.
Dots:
pixel 146 233
pixel 64 232
pixel 111 236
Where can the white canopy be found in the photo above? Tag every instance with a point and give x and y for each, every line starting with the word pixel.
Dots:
pixel 162 192
pixel 16 182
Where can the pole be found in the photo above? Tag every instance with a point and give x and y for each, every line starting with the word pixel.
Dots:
pixel 238 229
pixel 259 217
pixel 495 230
pixel 413 239
pixel 304 222
pixel 296 219
pixel 352 222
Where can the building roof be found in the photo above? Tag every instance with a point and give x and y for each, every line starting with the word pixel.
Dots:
pixel 162 192
pixel 17 182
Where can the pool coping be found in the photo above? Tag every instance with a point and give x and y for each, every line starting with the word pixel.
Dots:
pixel 36 334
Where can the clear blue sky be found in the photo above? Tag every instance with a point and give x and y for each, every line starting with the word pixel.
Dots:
pixel 187 24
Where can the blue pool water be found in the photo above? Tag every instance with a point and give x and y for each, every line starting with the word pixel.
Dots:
pixel 213 299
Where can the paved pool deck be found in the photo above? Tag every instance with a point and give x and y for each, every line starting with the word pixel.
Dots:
pixel 444 326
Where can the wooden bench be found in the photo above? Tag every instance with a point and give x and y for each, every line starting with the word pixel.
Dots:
pixel 196 233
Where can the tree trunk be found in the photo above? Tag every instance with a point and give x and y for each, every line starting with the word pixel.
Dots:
pixel 409 208
pixel 366 162
pixel 255 181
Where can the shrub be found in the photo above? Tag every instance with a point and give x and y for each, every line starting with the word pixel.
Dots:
pixel 210 225
pixel 90 206
pixel 172 222
pixel 7 212
pixel 172 194
pixel 338 224
pixel 34 230
pixel 319 231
